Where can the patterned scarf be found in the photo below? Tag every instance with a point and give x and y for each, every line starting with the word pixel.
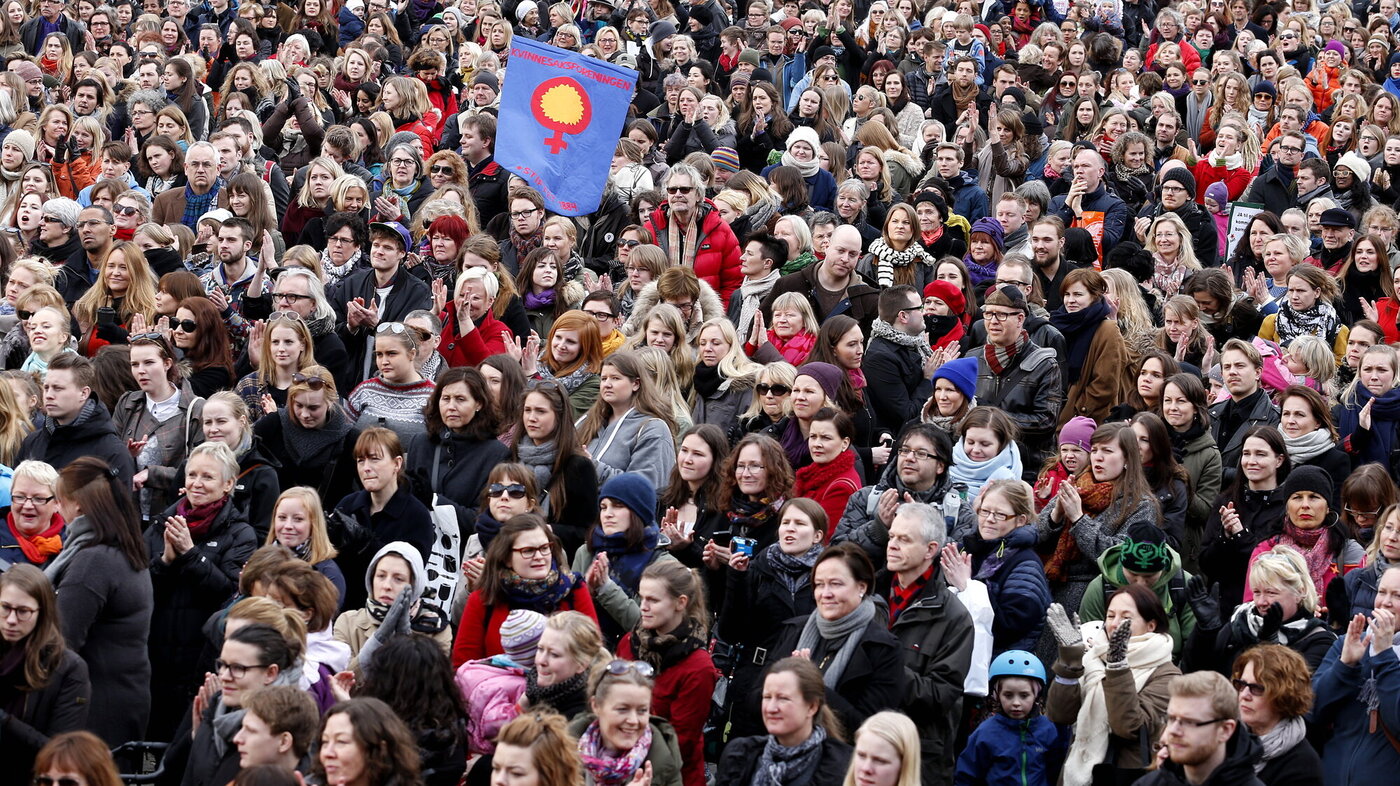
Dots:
pixel 1096 497
pixel 664 650
pixel 753 514
pixel 334 272
pixel 1320 320
pixel 1167 276
pixel 751 293
pixel 780 765
pixel 682 252
pixel 606 769
pixel 889 259
pixel 1000 358
pixel 542 595
pixel 197 205
pixel 793 570
pixel 1315 547
pixel 524 245
pixel 882 329
pixel 800 262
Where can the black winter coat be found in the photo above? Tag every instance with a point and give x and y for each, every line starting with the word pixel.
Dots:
pixel 408 293
pixel 1225 558
pixel 60 706
pixel 1298 766
pixel 1241 751
pixel 462 465
pixel 580 509
pixel 895 383
pixel 403 518
pixel 1030 392
pixel 334 478
pixel 91 433
pixel 191 759
pixel 874 678
pixel 189 589
pixel 741 756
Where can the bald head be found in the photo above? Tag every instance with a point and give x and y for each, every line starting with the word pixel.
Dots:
pixel 844 251
pixel 1089 167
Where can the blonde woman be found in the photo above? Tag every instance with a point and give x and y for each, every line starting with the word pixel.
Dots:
pixel 724 376
pixel 1135 320
pixel 286 349
pixel 663 373
pixel 126 285
pixel 664 328
pixel 15 425
pixel 299 525
pixel 772 400
pixel 1169 242
pixel 1234 161
pixel 886 752
pixel 1182 335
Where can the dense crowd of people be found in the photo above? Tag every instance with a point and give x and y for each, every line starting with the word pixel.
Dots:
pixel 941 393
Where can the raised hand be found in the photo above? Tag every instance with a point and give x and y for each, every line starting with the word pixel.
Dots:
pixel 1363 418
pixel 1071 505
pixel 1230 520
pixel 1118 642
pixel 1354 644
pixel 1382 628
pixel 529 361
pixel 671 528
pixel 757 332
pixel 439 295
pixel 1205 602
pixel 1368 307
pixel 957 566
pixel 472 570
pixel 1273 621
pixel 1065 630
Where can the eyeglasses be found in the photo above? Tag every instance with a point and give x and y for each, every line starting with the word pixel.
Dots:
pixel 339 239
pixel 1173 190
pixel 921 455
pixel 519 214
pixel 620 667
pixel 636 269
pixel 679 189
pixel 292 297
pixel 292 315
pixel 92 222
pixel 24 613
pixel 44 780
pixel 1254 688
pixel 999 316
pixel 748 469
pixel 628 243
pixel 1362 514
pixel 126 210
pixel 185 325
pixel 513 490
pixel 530 552
pixel 684 308
pixel 236 670
pixel 1009 283
pixel 995 516
pixel 1289 149
pixel 763 389
pixel 151 55
pixel 441 170
pixel 599 315
pixel 402 161
pixel 1196 724
pixel 49 220
pixel 312 383
pixel 1200 81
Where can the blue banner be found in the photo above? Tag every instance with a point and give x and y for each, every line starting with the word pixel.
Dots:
pixel 561 116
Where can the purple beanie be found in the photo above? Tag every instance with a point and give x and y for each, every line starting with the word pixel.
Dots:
pixel 826 375
pixel 1218 192
pixel 992 228
pixel 1077 432
pixel 1336 46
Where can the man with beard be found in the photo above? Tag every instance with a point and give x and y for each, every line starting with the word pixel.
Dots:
pixel 1274 188
pixel 1165 147
pixel 228 281
pixel 1313 181
pixel 1047 249
pixel 1207 744
pixel 920 475
pixel 58 237
pixel 1177 188
pixel 960 94
pixel 896 362
pixel 1242 369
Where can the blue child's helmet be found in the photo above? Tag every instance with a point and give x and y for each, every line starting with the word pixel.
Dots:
pixel 1017 663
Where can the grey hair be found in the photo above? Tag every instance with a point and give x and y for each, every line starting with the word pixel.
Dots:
pixel 1037 192
pixel 315 288
pixel 856 185
pixel 799 228
pixel 825 218
pixel 63 209
pixel 38 471
pixel 221 454
pixel 931 526
pixel 487 278
pixel 683 169
pixel 203 145
pixel 154 100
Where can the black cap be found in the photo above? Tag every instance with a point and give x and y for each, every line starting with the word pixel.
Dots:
pixel 1337 217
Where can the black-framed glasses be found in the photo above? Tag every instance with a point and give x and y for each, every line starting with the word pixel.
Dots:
pixel 1289 149
pixel 236 670
pixel 519 214
pixel 184 325
pixel 679 189
pixel 763 389
pixel 1254 688
pixel 921 455
pixel 999 316
pixel 50 220
pixel 1195 724
pixel 291 297
pixel 530 552
pixel 600 315
pixel 311 382
pixel 1012 283
pixel 512 490
pixel 619 667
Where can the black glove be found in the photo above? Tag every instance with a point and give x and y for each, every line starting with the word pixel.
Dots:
pixel 1273 621
pixel 112 334
pixel 1205 602
pixel 347 534
pixel 60 150
pixel 293 89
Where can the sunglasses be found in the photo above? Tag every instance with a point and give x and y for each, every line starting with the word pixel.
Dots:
pixel 292 315
pixel 1255 689
pixel 513 490
pixel 679 189
pixel 44 780
pixel 619 667
pixel 1200 81
pixel 154 338
pixel 312 383
pixel 24 315
pixel 184 325
pixel 126 210
pixel 777 390
pixel 628 243
pixel 441 170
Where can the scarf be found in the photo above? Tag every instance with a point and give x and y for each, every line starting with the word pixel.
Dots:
pixel 1167 276
pixel 542 595
pixel 1096 497
pixel 882 329
pixel 540 458
pixel 999 358
pixel 487 528
pixel 793 570
pixel 1079 329
pixel 49 64
pixel 201 517
pixel 38 548
pixel 753 514
pixel 805 168
pixel 606 769
pixel 1247 623
pixel 541 300
pixel 524 245
pixel 1315 547
pixel 707 380
pixel 800 262
pixel 1309 446
pixel 310 447
pixel 553 695
pixel 1280 739
pixel 1146 653
pixel 812 479
pixel 845 634
pixel 78 535
pixel 197 205
pixel 1386 409
pixel 1126 172
pixel 1232 161
pixel 228 720
pixel 1258 120
pixel 1320 320
pixel 664 650
pixel 751 292
pixel 780 765
pixel 1180 439
pixel 570 382
pixel 794 349
pixel 887 259
pixel 976 474
pixel 964 97
pixel 334 272
pixel 681 251
pixel 625 564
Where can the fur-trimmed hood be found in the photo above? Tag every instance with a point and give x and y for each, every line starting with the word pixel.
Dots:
pixel 708 306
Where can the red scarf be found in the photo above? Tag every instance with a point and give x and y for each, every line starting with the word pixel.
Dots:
pixel 1095 498
pixel 199 519
pixel 124 233
pixel 39 548
pixel 999 358
pixel 50 66
pixel 796 349
pixel 901 597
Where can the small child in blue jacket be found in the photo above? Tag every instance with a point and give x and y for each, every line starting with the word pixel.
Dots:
pixel 1017 745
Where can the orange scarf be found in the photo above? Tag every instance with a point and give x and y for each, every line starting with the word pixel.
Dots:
pixel 41 547
pixel 1095 499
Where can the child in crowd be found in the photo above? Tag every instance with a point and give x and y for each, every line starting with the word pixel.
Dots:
pixel 1217 204
pixel 1017 744
pixel 1073 456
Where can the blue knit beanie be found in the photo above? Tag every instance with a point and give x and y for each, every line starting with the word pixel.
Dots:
pixel 635 492
pixel 962 373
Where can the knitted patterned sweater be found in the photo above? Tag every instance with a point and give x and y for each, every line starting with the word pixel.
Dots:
pixel 375 402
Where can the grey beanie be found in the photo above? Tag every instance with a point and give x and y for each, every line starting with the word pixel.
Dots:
pixel 408 553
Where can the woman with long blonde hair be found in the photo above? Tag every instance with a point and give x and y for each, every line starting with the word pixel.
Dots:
pixel 15 425
pixel 287 349
pixel 664 328
pixel 724 375
pixel 124 284
pixel 1169 242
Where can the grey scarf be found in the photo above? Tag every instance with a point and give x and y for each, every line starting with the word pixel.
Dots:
pixel 1281 739
pixel 540 458
pixel 844 634
pixel 76 535
pixel 882 329
pixel 783 766
pixel 752 293
pixel 1309 446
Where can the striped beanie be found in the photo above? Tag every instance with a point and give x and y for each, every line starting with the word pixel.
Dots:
pixel 726 158
pixel 520 636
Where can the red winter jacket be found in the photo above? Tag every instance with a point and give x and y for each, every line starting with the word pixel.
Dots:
pixel 1236 180
pixel 717 261
pixel 682 696
pixel 427 130
pixel 479 634
pixel 1387 312
pixel 476 346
